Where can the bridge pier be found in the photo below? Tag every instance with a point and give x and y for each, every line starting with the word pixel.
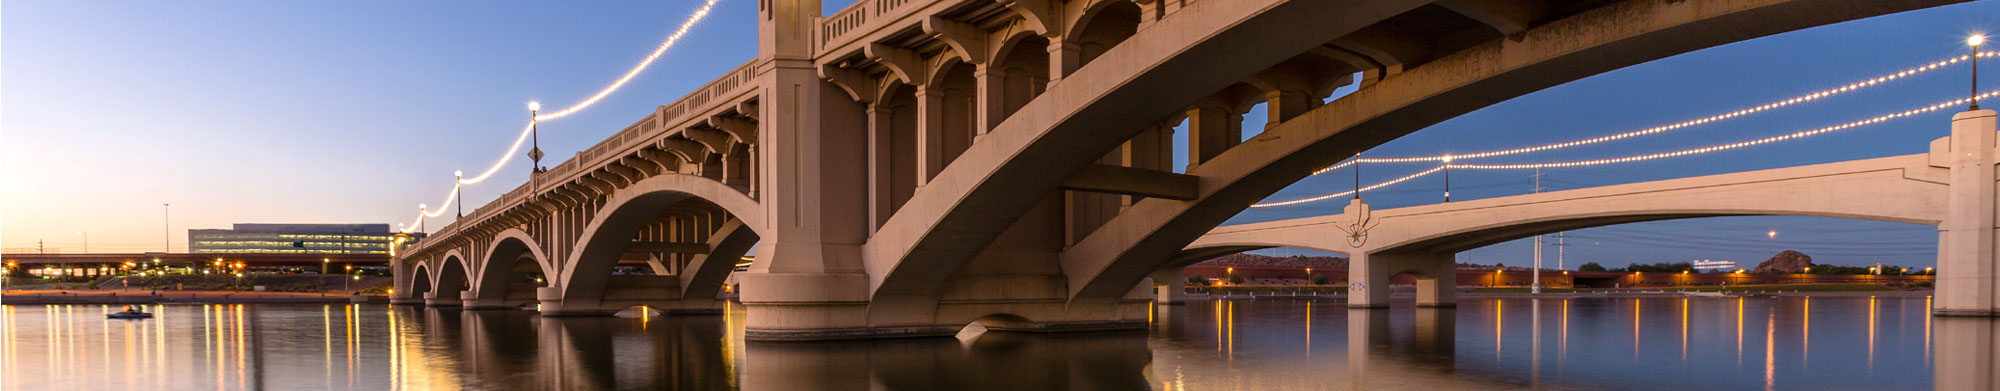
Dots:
pixel 1170 285
pixel 1968 283
pixel 1368 278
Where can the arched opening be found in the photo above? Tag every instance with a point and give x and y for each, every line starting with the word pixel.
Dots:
pixel 1103 29
pixel 666 250
pixel 420 282
pixel 1018 75
pixel 512 272
pixel 451 280
pixel 893 149
pixel 955 93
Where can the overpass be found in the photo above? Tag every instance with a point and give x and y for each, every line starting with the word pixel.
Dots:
pixel 906 167
pixel 1951 187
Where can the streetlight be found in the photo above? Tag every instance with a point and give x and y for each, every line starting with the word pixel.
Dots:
pixel 322 264
pixel 1772 246
pixel 534 125
pixel 86 241
pixel 1975 40
pixel 458 176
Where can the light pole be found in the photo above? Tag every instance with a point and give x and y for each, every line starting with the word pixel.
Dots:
pixel 322 265
pixel 166 228
pixel 458 189
pixel 1975 40
pixel 1772 245
pixel 348 284
pixel 86 242
pixel 423 210
pixel 1447 178
pixel 534 125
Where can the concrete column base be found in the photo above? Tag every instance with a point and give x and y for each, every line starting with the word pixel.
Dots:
pixel 821 307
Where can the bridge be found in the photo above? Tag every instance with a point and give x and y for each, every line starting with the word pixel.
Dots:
pixel 1950 187
pixel 907 167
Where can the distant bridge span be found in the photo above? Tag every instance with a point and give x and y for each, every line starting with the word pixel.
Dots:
pixel 909 166
pixel 1916 189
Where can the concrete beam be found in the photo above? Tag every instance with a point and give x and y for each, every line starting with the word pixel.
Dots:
pixel 1105 178
pixel 668 247
pixel 968 40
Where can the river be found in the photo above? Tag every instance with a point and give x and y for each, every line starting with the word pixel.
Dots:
pixel 1271 344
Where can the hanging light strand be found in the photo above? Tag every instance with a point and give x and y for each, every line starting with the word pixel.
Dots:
pixel 1807 98
pixel 1388 183
pixel 1725 147
pixel 601 94
pixel 699 14
pixel 1638 158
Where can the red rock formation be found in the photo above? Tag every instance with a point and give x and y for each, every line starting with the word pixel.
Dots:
pixel 1787 261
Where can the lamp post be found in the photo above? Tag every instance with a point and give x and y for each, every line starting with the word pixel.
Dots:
pixel 422 211
pixel 322 265
pixel 86 241
pixel 458 189
pixel 1772 245
pixel 166 223
pixel 1447 178
pixel 1974 41
pixel 534 130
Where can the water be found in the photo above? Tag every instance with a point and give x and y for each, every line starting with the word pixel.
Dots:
pixel 1665 344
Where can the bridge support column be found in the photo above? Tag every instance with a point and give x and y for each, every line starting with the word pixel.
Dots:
pixel 1437 279
pixel 442 299
pixel 1170 285
pixel 1368 280
pixel 1968 283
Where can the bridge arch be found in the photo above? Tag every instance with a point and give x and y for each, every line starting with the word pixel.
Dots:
pixel 505 278
pixel 587 284
pixel 449 278
pixel 1148 233
pixel 420 280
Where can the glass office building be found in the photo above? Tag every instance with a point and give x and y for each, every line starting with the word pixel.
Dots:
pixel 292 239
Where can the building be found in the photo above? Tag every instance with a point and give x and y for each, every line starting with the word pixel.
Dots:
pixel 292 239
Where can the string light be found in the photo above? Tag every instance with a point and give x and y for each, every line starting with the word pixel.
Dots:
pixel 1815 96
pixel 1391 182
pixel 698 15
pixel 1725 147
pixel 1637 158
pixel 601 94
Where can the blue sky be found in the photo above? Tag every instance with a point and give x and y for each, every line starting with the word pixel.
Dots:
pixel 358 111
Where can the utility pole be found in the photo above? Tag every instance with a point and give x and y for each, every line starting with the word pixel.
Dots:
pixel 1535 284
pixel 166 228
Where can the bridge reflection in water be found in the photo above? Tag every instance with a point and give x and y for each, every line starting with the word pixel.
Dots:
pixel 1781 343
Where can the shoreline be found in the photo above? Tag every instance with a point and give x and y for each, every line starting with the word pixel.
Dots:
pixel 182 297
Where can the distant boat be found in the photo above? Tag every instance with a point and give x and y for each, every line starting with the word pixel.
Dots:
pixel 1705 294
pixel 129 314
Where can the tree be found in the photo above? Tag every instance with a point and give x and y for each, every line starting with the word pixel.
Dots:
pixel 1590 267
pixel 1198 280
pixel 1235 280
pixel 1319 280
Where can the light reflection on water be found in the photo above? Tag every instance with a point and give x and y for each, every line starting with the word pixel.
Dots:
pixel 1692 343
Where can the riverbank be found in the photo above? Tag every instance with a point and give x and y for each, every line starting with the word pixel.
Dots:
pixel 30 297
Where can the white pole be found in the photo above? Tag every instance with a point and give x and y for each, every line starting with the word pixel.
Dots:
pixel 1535 282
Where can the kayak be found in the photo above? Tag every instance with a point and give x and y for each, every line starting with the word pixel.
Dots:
pixel 129 315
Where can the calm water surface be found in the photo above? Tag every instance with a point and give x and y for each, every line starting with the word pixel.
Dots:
pixel 1667 344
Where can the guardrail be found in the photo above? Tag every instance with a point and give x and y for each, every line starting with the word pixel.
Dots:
pixel 856 16
pixel 651 127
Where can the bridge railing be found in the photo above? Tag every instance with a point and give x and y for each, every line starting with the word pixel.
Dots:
pixel 653 126
pixel 855 20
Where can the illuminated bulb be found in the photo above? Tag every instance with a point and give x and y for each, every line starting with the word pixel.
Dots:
pixel 1975 40
pixel 534 106
pixel 458 173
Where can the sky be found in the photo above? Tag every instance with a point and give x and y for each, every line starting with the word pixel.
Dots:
pixel 355 112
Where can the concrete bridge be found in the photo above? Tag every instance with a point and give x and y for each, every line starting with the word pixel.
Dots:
pixel 1951 187
pixel 907 167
